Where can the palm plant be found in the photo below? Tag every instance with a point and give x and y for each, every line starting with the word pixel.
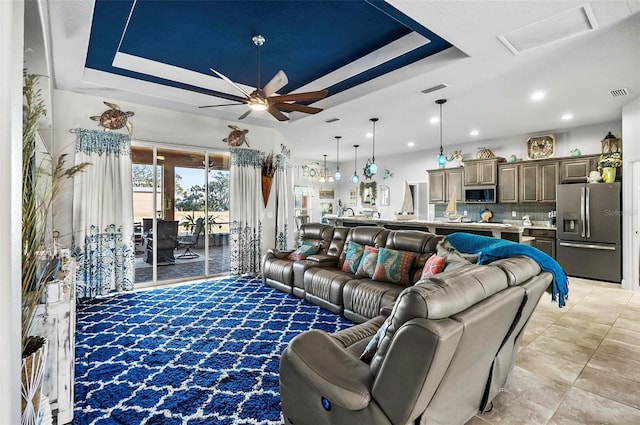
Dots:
pixel 37 203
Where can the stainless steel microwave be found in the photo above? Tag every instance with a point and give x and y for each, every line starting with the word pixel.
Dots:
pixel 480 194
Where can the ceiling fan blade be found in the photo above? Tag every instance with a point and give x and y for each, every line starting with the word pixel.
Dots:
pixel 245 115
pixel 222 104
pixel 310 95
pixel 291 107
pixel 277 82
pixel 277 114
pixel 240 89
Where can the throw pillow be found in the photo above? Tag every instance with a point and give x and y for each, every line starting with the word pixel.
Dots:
pixel 434 265
pixel 303 252
pixel 444 247
pixel 353 257
pixel 393 266
pixel 372 347
pixel 455 260
pixel 368 262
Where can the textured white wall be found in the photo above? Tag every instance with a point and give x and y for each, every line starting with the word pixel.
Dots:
pixel 631 195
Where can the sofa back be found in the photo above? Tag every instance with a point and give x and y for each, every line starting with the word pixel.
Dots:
pixel 338 241
pixel 422 243
pixel 364 235
pixel 436 355
pixel 316 234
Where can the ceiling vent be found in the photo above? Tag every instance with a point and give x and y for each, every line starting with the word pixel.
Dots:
pixel 562 26
pixel 434 88
pixel 330 120
pixel 619 92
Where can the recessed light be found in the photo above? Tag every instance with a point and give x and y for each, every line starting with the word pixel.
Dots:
pixel 411 144
pixel 474 132
pixel 434 120
pixel 537 96
pixel 567 117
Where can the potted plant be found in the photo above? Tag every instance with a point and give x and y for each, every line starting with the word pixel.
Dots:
pixel 608 163
pixel 38 265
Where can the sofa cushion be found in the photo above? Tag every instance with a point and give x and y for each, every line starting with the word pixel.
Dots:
pixel 368 262
pixel 434 265
pixel 393 266
pixel 353 257
pixel 444 249
pixel 303 252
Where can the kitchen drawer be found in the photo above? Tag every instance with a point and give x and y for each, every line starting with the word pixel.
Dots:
pixel 542 233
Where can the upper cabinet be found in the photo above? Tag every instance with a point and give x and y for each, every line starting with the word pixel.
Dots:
pixel 508 184
pixel 538 181
pixel 443 183
pixel 480 172
pixel 578 169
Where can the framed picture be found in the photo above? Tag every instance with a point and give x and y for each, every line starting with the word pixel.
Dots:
pixel 353 196
pixel 384 195
pixel 326 208
pixel 541 147
pixel 326 193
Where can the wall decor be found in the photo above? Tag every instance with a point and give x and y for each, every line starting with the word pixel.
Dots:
pixel 541 147
pixel 485 153
pixel 610 144
pixel 386 174
pixel 384 195
pixel 326 208
pixel 326 193
pixel 237 137
pixel 115 118
pixel 353 196
pixel 368 193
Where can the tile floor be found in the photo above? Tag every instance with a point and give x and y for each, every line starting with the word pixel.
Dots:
pixel 576 365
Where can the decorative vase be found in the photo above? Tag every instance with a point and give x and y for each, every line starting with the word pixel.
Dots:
pixel 609 174
pixel 266 188
pixel 32 372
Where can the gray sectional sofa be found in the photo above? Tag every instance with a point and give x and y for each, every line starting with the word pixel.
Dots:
pixel 436 351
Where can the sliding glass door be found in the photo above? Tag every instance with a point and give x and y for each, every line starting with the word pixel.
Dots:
pixel 181 214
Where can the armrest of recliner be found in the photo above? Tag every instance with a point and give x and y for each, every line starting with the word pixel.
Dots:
pixel 323 260
pixel 279 254
pixel 339 376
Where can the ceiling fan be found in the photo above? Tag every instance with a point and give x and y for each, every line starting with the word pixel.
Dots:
pixel 265 99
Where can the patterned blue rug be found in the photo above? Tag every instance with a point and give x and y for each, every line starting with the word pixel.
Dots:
pixel 204 353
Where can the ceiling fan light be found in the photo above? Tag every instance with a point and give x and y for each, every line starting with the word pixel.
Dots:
pixel 258 106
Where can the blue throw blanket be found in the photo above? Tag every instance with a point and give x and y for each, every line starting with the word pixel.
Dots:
pixel 491 249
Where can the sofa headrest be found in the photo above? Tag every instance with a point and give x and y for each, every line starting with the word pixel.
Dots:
pixel 412 240
pixel 368 235
pixel 446 294
pixel 518 269
pixel 316 233
pixel 337 241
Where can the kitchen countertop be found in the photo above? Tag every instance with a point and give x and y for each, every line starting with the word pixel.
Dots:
pixel 508 226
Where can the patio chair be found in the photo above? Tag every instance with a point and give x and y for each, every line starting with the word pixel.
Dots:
pixel 191 241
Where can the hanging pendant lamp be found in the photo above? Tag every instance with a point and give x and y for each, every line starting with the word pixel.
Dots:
pixel 337 176
pixel 372 167
pixel 442 160
pixel 355 178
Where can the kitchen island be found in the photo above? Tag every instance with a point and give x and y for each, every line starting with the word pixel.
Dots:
pixel 510 232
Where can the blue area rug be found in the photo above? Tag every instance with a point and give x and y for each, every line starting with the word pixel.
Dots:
pixel 205 353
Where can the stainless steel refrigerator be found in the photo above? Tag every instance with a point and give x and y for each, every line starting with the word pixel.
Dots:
pixel 589 227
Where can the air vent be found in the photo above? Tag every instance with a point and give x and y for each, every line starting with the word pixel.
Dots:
pixel 434 88
pixel 330 120
pixel 619 92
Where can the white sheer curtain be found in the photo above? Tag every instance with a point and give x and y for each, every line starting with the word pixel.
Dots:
pixel 245 186
pixel 284 193
pixel 103 214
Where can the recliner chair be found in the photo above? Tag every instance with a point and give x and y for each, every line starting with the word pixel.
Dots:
pixel 434 361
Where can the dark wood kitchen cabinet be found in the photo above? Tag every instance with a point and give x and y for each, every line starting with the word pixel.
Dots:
pixel 578 169
pixel 508 183
pixel 538 182
pixel 442 183
pixel 480 172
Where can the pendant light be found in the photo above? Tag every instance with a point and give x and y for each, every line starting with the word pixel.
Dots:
pixel 323 173
pixel 372 167
pixel 354 178
pixel 442 160
pixel 337 176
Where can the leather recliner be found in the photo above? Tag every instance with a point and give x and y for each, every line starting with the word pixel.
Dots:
pixel 435 361
pixel 277 269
